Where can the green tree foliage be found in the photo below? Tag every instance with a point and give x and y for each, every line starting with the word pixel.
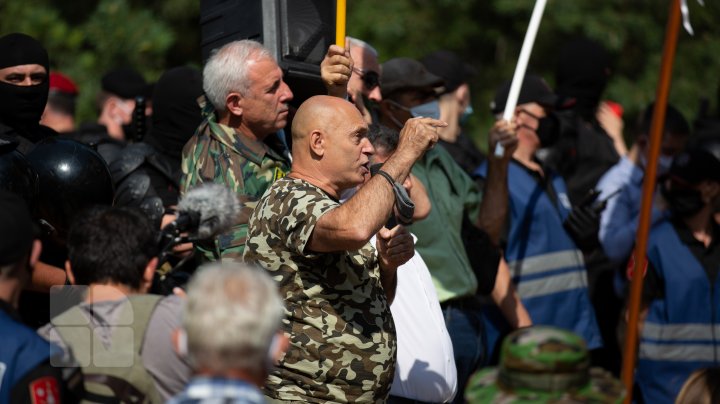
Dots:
pixel 107 34
pixel 87 37
pixel 489 35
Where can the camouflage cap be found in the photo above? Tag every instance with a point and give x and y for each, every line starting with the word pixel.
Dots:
pixel 544 364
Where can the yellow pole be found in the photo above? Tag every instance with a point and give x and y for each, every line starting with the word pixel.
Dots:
pixel 340 23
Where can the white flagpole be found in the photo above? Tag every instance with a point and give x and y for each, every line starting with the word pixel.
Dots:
pixel 521 67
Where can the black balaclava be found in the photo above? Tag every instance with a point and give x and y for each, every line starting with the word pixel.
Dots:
pixel 176 113
pixel 22 106
pixel 582 73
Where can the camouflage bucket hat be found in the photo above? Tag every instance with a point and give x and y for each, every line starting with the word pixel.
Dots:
pixel 544 364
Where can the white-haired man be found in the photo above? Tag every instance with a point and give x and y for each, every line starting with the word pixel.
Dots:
pixel 236 144
pixel 241 307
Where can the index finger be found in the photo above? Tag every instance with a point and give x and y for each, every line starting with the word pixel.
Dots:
pixel 336 50
pixel 436 123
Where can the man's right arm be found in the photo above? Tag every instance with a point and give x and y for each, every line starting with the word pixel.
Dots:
pixel 349 226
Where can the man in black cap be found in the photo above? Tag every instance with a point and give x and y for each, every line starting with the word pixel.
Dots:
pixel 116 101
pixel 26 373
pixel 24 85
pixel 545 262
pixel 455 107
pixel 115 104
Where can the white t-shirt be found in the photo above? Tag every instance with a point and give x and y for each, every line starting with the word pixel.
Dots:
pixel 425 368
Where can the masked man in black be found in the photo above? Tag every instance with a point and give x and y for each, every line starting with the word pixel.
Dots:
pixel 24 86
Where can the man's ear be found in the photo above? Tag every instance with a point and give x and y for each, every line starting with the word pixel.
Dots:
pixel 709 191
pixel 35 252
pixel 318 143
pixel 233 102
pixel 148 274
pixel 69 272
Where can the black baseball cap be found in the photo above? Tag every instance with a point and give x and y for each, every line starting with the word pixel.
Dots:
pixel 406 73
pixel 700 162
pixel 448 66
pixel 17 228
pixel 534 89
pixel 125 83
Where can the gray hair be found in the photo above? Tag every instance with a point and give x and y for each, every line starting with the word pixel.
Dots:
pixel 232 312
pixel 227 68
pixel 357 43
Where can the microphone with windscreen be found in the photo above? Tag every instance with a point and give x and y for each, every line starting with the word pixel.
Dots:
pixel 203 212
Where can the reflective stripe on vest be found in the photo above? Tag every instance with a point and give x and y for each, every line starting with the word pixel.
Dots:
pixel 551 283
pixel 678 342
pixel 677 352
pixel 680 332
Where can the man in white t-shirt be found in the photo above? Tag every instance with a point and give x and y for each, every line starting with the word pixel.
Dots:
pixel 425 371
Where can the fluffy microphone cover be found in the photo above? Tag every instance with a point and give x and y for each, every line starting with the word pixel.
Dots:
pixel 218 207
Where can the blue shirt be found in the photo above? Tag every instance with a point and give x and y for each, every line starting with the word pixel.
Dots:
pixel 203 389
pixel 619 220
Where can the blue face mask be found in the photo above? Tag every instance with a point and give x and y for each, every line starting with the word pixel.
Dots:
pixel 428 110
pixel 466 114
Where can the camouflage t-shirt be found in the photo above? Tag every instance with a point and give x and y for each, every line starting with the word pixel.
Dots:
pixel 221 154
pixel 342 337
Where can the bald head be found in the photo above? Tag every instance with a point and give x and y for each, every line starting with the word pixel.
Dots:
pixel 330 143
pixel 323 113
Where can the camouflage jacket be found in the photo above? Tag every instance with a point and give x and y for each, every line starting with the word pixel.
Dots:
pixel 342 336
pixel 220 154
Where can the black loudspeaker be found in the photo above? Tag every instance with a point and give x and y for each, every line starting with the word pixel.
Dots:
pixel 297 33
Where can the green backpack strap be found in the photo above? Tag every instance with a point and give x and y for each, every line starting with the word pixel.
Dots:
pixel 116 371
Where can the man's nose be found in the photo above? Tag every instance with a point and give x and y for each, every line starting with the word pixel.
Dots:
pixel 375 94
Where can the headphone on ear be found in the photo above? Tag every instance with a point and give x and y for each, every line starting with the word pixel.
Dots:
pixel 272 351
pixel 182 343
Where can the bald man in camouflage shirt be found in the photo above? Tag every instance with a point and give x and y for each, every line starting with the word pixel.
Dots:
pixel 337 287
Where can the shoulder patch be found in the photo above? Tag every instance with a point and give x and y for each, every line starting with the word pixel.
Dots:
pixel 44 390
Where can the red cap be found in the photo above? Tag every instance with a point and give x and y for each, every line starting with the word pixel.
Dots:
pixel 62 83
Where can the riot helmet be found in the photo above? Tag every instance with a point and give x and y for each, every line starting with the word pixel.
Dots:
pixel 71 177
pixel 16 174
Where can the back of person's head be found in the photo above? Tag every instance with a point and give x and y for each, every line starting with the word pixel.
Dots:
pixel 17 176
pixel 383 139
pixel 111 245
pixel 582 72
pixel 231 319
pixel 63 94
pixel 227 70
pixel 702 387
pixel 450 67
pixel 17 232
pixel 176 112
pixel 675 122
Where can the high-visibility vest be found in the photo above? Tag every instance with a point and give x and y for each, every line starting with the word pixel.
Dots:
pixel 681 332
pixel 21 351
pixel 546 266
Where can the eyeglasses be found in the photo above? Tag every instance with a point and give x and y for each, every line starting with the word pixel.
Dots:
pixel 370 78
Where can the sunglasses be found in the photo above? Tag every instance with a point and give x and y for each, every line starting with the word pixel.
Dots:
pixel 370 78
